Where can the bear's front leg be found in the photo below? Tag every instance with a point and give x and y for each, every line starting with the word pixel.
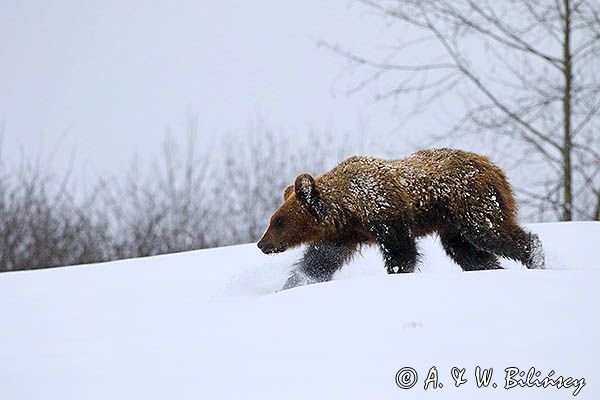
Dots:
pixel 320 262
pixel 397 246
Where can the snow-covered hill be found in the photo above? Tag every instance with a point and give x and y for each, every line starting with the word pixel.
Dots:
pixel 210 325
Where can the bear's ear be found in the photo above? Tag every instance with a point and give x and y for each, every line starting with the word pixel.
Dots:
pixel 306 192
pixel 287 192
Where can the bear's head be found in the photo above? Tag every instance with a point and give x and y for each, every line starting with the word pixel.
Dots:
pixel 300 219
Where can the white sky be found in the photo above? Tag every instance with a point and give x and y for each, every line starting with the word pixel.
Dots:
pixel 104 80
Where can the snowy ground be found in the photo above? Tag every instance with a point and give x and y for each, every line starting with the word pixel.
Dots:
pixel 210 325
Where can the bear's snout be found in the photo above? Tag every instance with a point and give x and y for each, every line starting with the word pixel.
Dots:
pixel 269 248
pixel 261 245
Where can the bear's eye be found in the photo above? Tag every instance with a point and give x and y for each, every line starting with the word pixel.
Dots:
pixel 278 223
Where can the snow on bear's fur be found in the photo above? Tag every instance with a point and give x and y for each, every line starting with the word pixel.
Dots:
pixel 459 195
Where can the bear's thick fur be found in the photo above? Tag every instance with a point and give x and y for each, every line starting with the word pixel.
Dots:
pixel 459 195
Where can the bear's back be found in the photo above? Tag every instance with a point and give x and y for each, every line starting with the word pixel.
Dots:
pixel 424 181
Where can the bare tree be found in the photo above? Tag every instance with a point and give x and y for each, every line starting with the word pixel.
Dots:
pixel 528 74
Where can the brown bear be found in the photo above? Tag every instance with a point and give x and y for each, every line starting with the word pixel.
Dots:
pixel 459 195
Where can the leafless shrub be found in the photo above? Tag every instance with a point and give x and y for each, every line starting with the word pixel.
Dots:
pixel 41 225
pixel 169 210
pixel 187 200
pixel 257 174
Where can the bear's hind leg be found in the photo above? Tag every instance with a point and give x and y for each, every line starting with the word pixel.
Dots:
pixel 397 246
pixel 509 240
pixel 467 256
pixel 320 262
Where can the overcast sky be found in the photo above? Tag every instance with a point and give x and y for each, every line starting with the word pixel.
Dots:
pixel 104 80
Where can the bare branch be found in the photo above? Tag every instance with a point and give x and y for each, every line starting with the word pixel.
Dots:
pixel 384 65
pixel 483 89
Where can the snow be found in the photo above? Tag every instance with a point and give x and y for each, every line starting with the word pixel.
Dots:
pixel 211 325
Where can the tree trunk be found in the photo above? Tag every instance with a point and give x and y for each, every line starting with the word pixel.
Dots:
pixel 566 150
